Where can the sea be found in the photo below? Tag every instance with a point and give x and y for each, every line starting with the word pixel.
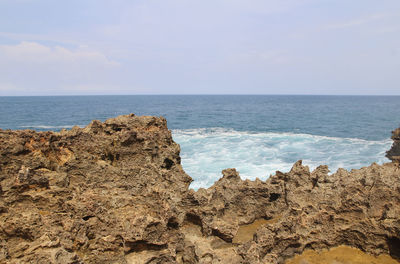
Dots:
pixel 256 134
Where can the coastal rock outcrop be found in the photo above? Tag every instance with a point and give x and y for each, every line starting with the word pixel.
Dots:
pixel 115 192
pixel 394 153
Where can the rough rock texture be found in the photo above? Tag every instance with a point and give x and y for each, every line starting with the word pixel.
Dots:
pixel 115 192
pixel 394 153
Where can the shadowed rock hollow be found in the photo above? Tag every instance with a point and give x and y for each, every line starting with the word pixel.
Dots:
pixel 115 192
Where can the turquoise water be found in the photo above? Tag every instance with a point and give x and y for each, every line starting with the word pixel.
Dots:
pixel 257 134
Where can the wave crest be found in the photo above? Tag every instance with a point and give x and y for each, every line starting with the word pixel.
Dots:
pixel 207 151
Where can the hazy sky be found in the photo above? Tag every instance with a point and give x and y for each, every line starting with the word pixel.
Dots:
pixel 52 47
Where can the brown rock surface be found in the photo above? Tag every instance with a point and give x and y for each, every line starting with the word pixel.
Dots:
pixel 115 192
pixel 394 153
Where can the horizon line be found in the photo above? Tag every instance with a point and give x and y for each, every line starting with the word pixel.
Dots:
pixel 260 94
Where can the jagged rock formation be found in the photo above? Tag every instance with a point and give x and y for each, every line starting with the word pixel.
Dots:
pixel 115 192
pixel 394 153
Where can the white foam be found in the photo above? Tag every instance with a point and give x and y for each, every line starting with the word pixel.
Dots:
pixel 207 151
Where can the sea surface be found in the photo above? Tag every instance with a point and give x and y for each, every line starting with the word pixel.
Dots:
pixel 257 134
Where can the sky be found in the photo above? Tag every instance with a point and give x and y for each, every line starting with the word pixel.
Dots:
pixel 93 47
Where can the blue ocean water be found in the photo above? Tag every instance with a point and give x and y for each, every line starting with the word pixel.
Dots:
pixel 257 134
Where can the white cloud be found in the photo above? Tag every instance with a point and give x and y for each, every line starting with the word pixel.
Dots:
pixel 271 57
pixel 355 22
pixel 388 29
pixel 264 6
pixel 31 66
pixel 7 87
pixel 35 53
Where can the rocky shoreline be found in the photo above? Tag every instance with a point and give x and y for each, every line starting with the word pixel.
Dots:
pixel 115 192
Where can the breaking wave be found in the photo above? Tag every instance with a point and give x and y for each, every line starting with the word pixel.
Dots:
pixel 207 151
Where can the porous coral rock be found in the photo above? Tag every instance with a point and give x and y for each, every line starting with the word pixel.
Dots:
pixel 115 192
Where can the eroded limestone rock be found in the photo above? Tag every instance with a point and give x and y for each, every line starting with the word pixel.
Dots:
pixel 115 192
pixel 394 153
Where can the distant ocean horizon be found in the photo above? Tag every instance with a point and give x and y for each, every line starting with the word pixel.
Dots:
pixel 257 134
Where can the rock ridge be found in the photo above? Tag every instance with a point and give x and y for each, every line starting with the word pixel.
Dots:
pixel 115 192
